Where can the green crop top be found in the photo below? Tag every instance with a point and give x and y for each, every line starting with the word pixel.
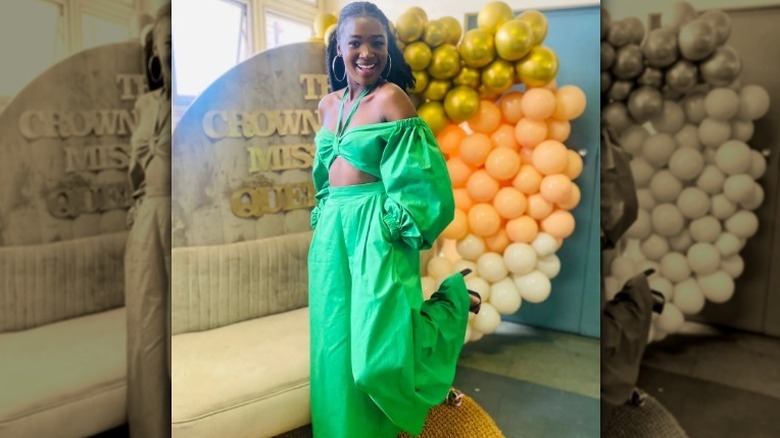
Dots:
pixel 404 155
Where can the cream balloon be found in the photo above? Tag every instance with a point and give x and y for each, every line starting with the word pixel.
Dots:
pixel 688 297
pixel 544 244
pixel 520 258
pixel 671 319
pixel 491 267
pixel 480 286
pixel 505 297
pixel 534 287
pixel 550 266
pixel 439 267
pixel 471 247
pixel 674 266
pixel 488 319
pixel 717 287
pixel 462 264
pixel 428 287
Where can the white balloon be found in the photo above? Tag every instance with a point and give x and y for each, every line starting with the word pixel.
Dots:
pixel 462 264
pixel 487 320
pixel 755 200
pixel 520 258
pixel 544 244
pixel 641 228
pixel 468 334
pixel 757 164
pixel 478 285
pixel 655 247
pixel 471 247
pixel 717 287
pixel 550 266
pixel 743 224
pixel 734 265
pixel 674 266
pixel 645 199
pixel 688 297
pixel 623 268
pixel 505 297
pixel 428 287
pixel 663 285
pixel 703 258
pixel 733 157
pixel 711 179
pixel 476 335
pixel 681 242
pixel 671 319
pixel 534 287
pixel 705 229
pixel 722 207
pixel 439 268
pixel 491 267
pixel 728 244
pixel 611 287
pixel 738 188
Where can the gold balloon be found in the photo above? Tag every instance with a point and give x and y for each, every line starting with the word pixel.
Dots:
pixel 410 27
pixel 454 29
pixel 499 76
pixel 434 115
pixel 420 81
pixel 514 40
pixel 486 93
pixel 328 32
pixel 538 23
pixel 437 89
pixel 435 33
pixel 468 76
pixel 538 67
pixel 493 15
pixel 477 48
pixel 418 55
pixel 322 22
pixel 418 11
pixel 461 103
pixel 445 62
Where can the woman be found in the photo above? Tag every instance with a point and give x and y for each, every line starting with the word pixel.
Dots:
pixel 147 256
pixel 381 357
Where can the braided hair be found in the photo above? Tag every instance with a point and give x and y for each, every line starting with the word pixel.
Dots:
pixel 400 72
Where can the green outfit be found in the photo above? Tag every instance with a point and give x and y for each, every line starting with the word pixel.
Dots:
pixel 380 356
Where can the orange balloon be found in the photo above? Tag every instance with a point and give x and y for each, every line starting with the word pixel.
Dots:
pixel 528 180
pixel 502 163
pixel 574 199
pixel 449 139
pixel 556 188
pixel 497 242
pixel 538 103
pixel 511 106
pixel 573 165
pixel 484 220
pixel 510 202
pixel 475 148
pixel 538 207
pixel 481 186
pixel 550 157
pixel 570 102
pixel 559 223
pixel 459 171
pixel 526 155
pixel 522 229
pixel 458 228
pixel 530 132
pixel 462 199
pixel 487 119
pixel 558 129
pixel 504 137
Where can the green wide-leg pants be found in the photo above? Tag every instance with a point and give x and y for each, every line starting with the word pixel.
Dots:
pixel 380 356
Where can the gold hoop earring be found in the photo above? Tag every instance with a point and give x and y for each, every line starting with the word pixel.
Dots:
pixel 333 65
pixel 390 66
pixel 150 66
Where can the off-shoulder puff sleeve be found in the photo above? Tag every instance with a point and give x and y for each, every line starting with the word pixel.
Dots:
pixel 321 188
pixel 420 202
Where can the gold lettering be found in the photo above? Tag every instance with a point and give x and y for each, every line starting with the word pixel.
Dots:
pixel 256 201
pixel 303 156
pixel 265 122
pixel 289 122
pixel 132 85
pixel 259 159
pixel 316 85
pixel 210 127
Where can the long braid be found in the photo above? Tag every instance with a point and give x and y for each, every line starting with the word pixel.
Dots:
pixel 400 73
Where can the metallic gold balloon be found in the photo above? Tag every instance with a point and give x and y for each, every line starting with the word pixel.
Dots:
pixel 454 29
pixel 421 80
pixel 514 39
pixel 328 32
pixel 419 11
pixel 322 22
pixel 437 89
pixel 434 115
pixel 461 103
pixel 477 48
pixel 435 33
pixel 538 23
pixel 445 62
pixel 486 93
pixel 538 67
pixel 468 76
pixel 418 55
pixel 493 15
pixel 499 76
pixel 410 27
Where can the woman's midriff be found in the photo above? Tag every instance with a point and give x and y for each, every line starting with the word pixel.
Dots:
pixel 342 173
pixel 158 177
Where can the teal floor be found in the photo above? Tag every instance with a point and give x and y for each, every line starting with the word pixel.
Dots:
pixel 534 382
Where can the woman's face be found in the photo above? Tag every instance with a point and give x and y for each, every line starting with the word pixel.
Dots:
pixel 363 46
pixel 162 45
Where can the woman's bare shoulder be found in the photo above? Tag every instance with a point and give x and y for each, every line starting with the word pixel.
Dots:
pixel 395 102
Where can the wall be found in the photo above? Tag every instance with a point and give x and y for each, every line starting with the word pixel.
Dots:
pixel 621 9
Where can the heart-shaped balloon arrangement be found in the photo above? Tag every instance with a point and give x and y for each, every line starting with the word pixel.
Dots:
pixel 674 98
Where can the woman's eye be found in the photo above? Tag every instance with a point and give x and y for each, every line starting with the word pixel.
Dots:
pixel 354 44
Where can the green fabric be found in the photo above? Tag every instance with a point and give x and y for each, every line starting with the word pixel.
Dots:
pixel 380 356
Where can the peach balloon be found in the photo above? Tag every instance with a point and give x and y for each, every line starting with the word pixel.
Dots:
pixel 559 223
pixel 510 202
pixel 556 188
pixel 497 242
pixel 573 165
pixel 474 149
pixel 502 163
pixel 487 119
pixel 558 129
pixel 458 228
pixel 570 102
pixel 528 180
pixel 530 132
pixel 538 103
pixel 481 186
pixel 538 207
pixel 449 139
pixel 504 137
pixel 511 107
pixel 459 171
pixel 484 220
pixel 462 199
pixel 526 156
pixel 550 157
pixel 573 200
pixel 522 229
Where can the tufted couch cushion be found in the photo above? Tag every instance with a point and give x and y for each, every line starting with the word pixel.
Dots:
pixel 65 378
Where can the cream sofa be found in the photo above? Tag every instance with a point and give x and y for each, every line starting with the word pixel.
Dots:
pixel 240 338
pixel 62 338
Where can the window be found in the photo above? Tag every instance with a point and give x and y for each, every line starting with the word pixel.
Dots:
pixel 280 30
pixel 97 31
